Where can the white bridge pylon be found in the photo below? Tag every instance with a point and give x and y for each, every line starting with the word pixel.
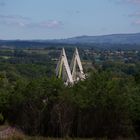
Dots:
pixel 70 75
pixel 63 69
pixel 74 63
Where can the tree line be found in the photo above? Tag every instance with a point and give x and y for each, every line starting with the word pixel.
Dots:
pixel 106 104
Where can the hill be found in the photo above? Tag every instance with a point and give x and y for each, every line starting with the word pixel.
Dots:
pixel 111 39
pixel 123 41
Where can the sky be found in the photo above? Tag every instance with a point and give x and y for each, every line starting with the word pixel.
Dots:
pixel 55 19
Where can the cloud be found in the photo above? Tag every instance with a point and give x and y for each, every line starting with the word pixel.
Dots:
pixel 50 24
pixel 136 14
pixel 136 22
pixel 134 1
pixel 20 21
pixel 131 1
pixel 136 18
pixel 128 1
pixel 13 17
pixel 15 20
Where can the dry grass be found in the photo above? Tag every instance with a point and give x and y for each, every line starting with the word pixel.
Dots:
pixel 2 127
pixel 18 135
pixel 22 137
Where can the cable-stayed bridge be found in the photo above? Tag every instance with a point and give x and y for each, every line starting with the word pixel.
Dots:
pixel 70 74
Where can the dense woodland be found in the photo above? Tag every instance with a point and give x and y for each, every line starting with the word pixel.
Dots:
pixel 32 99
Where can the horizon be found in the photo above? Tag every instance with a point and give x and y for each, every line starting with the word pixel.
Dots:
pixel 63 19
pixel 18 39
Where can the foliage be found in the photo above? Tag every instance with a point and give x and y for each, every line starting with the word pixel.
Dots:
pixel 106 104
pixel 102 105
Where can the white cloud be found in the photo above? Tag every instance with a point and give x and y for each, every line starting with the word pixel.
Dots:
pixel 13 17
pixel 134 1
pixel 136 18
pixel 20 21
pixel 135 14
pixel 137 22
pixel 14 20
pixel 128 1
pixel 131 1
pixel 50 24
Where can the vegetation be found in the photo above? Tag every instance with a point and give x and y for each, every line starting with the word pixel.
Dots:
pixel 106 104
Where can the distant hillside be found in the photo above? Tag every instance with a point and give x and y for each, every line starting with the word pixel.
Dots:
pixel 111 39
pixel 114 41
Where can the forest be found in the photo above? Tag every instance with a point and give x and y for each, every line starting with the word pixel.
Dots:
pixel 106 104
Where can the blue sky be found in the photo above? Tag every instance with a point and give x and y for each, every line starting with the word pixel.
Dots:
pixel 51 19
